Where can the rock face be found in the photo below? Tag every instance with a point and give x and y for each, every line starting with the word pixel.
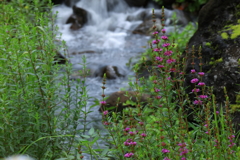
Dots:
pixel 112 72
pixel 138 3
pixel 219 36
pixel 112 101
pixel 78 18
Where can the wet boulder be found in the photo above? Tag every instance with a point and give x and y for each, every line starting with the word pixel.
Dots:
pixel 60 59
pixel 78 18
pixel 138 3
pixel 112 72
pixel 119 100
pixel 219 37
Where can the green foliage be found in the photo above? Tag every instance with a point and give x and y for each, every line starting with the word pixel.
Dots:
pixel 40 106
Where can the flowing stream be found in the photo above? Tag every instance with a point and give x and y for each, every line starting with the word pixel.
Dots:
pixel 106 40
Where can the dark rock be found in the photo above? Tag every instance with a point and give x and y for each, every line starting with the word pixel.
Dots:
pixel 70 3
pixel 138 3
pixel 218 35
pixel 112 72
pixel 123 97
pixel 78 18
pixel 60 59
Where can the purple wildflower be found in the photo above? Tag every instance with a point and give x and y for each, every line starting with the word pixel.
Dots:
pixel 157 49
pixel 163 30
pixel 193 71
pixel 196 90
pixel 171 60
pixel 197 102
pixel 164 37
pixel 105 112
pixel 165 151
pixel 194 80
pixel 201 73
pixel 103 102
pixel 160 66
pixel 155 41
pixel 156 90
pixel 159 58
pixel 166 44
pixel 128 155
pixel 156 32
pixel 166 158
pixel 143 135
pixel 201 84
pixel 203 96
pixel 168 53
pixel 126 129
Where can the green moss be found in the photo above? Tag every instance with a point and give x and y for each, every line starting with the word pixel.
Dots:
pixel 214 62
pixel 208 44
pixel 235 108
pixel 238 99
pixel 235 29
pixel 224 35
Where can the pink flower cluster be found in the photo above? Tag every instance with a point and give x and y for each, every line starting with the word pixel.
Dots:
pixel 155 41
pixel 128 155
pixel 129 142
pixel 165 151
pixel 159 58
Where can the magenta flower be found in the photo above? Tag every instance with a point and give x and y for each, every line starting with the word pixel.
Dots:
pixel 159 58
pixel 158 97
pixel 160 66
pixel 183 158
pixel 217 112
pixel 197 102
pixel 168 78
pixel 105 112
pixel 143 135
pixel 166 158
pixel 157 49
pixel 168 53
pixel 194 80
pixel 196 90
pixel 182 144
pixel 203 96
pixel 156 32
pixel 163 30
pixel 133 143
pixel 201 84
pixel 201 73
pixel 164 37
pixel 184 151
pixel 141 123
pixel 128 155
pixel 155 41
pixel 205 125
pixel 171 60
pixel 126 129
pixel 156 90
pixel 103 102
pixel 193 71
pixel 165 151
pixel 126 143
pixel 131 133
pixel 166 44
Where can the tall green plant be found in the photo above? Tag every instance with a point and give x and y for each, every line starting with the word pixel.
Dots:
pixel 40 106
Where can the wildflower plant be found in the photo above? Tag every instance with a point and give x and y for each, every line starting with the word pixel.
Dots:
pixel 163 129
